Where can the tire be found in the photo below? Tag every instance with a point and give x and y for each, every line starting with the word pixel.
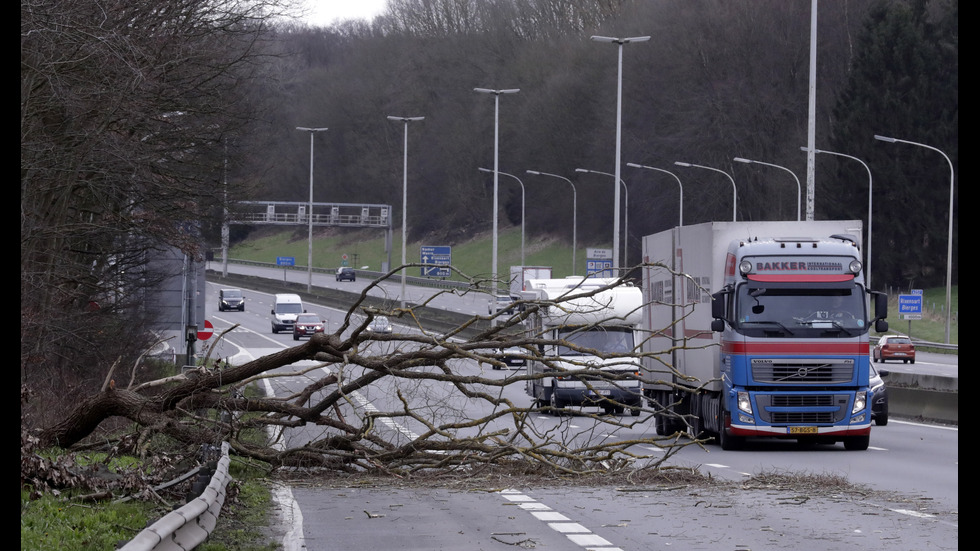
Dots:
pixel 660 423
pixel 857 443
pixel 911 361
pixel 881 420
pixel 295 337
pixel 556 405
pixel 727 441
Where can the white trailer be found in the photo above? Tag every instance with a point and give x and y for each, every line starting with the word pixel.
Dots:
pixel 586 328
pixel 741 342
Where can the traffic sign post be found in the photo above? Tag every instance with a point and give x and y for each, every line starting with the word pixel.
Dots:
pixel 441 256
pixel 285 261
pixel 205 334
pixel 910 307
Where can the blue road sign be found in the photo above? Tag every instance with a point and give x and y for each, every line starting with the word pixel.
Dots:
pixel 909 304
pixel 285 261
pixel 600 268
pixel 441 256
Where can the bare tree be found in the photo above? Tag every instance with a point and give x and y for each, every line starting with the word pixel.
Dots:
pixel 127 110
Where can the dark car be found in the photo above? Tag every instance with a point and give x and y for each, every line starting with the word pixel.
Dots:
pixel 894 347
pixel 513 356
pixel 307 325
pixel 879 396
pixel 346 273
pixel 231 299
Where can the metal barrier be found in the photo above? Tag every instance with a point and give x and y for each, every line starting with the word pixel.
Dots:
pixel 187 527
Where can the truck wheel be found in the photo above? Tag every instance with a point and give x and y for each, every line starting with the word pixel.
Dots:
pixel 728 441
pixel 635 412
pixel 881 420
pixel 556 405
pixel 857 443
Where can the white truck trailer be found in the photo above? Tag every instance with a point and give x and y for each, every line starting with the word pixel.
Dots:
pixel 587 328
pixel 760 329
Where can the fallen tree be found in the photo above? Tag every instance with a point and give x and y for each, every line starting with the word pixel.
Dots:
pixel 420 369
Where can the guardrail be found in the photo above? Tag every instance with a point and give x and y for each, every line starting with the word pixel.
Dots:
pixel 188 526
pixel 370 274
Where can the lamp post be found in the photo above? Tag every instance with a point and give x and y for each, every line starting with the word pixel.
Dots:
pixel 522 208
pixel 949 244
pixel 734 190
pixel 619 131
pixel 405 120
pixel 867 279
pixel 574 211
pixel 680 210
pixel 309 215
pixel 799 189
pixel 627 209
pixel 496 141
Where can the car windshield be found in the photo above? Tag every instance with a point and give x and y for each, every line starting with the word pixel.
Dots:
pixel 307 318
pixel 289 308
pixel 380 321
pixel 900 340
pixel 231 293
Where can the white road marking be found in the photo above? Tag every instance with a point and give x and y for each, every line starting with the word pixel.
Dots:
pixel 575 532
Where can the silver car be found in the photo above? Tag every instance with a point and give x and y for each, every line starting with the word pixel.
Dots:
pixel 380 324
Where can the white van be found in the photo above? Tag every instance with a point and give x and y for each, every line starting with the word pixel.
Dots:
pixel 284 311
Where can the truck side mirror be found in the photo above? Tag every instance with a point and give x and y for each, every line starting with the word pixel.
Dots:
pixel 881 305
pixel 717 325
pixel 273 312
pixel 718 304
pixel 881 326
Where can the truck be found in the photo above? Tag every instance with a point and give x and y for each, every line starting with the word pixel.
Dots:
pixel 585 324
pixel 760 329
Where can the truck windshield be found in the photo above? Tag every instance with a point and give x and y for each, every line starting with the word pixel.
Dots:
pixel 289 308
pixel 605 340
pixel 787 312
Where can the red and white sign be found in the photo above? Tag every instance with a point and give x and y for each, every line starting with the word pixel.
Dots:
pixel 205 334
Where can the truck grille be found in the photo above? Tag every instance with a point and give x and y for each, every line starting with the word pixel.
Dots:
pixel 777 409
pixel 805 371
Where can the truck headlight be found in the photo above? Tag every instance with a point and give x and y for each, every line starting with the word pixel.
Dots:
pixel 860 402
pixel 744 404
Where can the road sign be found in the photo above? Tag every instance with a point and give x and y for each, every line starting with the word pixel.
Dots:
pixel 442 256
pixel 910 304
pixel 205 334
pixel 285 261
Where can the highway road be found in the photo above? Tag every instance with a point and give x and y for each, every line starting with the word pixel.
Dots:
pixel 911 471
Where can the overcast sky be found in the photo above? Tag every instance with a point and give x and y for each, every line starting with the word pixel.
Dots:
pixel 326 12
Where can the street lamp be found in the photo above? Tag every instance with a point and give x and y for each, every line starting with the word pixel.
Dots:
pixel 574 210
pixel 619 130
pixel 405 120
pixel 496 141
pixel 734 191
pixel 798 187
pixel 680 211
pixel 867 281
pixel 949 244
pixel 309 215
pixel 522 208
pixel 626 222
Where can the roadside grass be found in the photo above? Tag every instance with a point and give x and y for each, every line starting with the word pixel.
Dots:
pixel 73 519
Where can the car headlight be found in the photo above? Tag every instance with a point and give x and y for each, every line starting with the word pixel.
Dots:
pixel 860 402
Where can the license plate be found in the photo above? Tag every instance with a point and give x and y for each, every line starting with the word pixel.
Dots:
pixel 898 354
pixel 803 430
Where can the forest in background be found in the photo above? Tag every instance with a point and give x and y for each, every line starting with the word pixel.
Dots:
pixel 716 80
